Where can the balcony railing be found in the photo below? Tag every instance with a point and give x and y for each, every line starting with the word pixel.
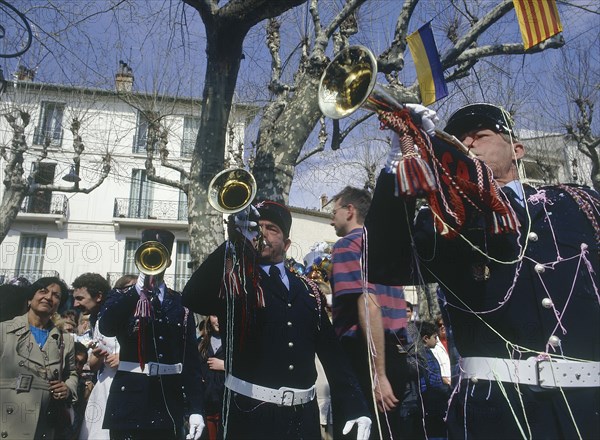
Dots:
pixel 40 134
pixel 31 275
pixel 176 282
pixel 150 209
pixel 45 203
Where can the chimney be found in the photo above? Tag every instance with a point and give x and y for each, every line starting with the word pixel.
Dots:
pixel 24 74
pixel 324 201
pixel 124 78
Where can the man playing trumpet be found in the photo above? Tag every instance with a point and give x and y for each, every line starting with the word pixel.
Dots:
pixel 159 361
pixel 273 323
pixel 522 304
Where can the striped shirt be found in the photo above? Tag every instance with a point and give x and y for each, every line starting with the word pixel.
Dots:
pixel 347 285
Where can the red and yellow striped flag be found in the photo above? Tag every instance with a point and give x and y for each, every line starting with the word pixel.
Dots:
pixel 538 20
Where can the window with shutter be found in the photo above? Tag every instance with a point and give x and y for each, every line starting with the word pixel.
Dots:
pixel 131 245
pixel 191 126
pixel 31 256
pixel 141 133
pixel 182 272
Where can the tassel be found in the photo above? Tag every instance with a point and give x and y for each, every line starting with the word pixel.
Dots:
pixel 241 278
pixel 414 175
pixel 143 312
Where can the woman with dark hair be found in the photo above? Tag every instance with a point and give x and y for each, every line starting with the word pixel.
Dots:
pixel 38 372
pixel 213 373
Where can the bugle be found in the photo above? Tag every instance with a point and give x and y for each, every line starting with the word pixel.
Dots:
pixel 152 258
pixel 232 190
pixel 349 83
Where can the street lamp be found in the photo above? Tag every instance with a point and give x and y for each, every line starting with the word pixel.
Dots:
pixel 72 176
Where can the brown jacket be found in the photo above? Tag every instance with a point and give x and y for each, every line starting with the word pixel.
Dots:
pixel 29 414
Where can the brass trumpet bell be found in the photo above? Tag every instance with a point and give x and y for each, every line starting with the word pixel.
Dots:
pixel 232 190
pixel 152 258
pixel 349 83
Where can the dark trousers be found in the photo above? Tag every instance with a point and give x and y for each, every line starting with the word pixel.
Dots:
pixel 482 411
pixel 250 419
pixel 144 434
pixel 390 422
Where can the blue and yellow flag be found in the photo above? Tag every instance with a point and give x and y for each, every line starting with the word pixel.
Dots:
pixel 427 62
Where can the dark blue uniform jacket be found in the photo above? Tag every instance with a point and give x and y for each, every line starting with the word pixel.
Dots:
pixel 498 317
pixel 278 349
pixel 138 401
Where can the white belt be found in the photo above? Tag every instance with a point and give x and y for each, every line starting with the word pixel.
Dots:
pixel 151 368
pixel 283 396
pixel 545 373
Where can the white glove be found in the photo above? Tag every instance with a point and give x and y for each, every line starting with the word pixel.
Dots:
pixel 364 427
pixel 196 427
pixel 246 222
pixel 427 117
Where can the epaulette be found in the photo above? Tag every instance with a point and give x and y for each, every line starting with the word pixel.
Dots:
pixel 588 202
pixel 316 292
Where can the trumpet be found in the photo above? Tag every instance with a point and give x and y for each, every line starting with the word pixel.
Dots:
pixel 152 258
pixel 349 83
pixel 232 190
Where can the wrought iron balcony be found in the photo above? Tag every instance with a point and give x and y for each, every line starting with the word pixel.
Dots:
pixel 45 203
pixel 150 209
pixel 176 282
pixel 31 275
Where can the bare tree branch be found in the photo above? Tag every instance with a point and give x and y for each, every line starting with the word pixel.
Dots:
pixel 478 28
pixel 322 141
pixel 392 59
pixel 478 53
pixel 106 167
pixel 158 139
pixel 338 137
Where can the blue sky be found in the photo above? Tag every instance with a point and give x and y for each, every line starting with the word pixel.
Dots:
pixel 163 41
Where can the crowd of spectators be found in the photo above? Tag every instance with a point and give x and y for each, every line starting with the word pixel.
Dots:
pixel 91 361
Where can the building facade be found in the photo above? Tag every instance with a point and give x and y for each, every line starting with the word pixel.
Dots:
pixel 553 158
pixel 67 234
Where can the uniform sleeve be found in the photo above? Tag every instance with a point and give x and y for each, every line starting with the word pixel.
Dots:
pixel 398 242
pixel 388 225
pixel 194 388
pixel 117 310
pixel 201 293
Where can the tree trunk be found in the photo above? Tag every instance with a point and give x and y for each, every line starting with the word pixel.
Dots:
pixel 9 208
pixel 224 50
pixel 428 302
pixel 595 172
pixel 226 28
pixel 283 137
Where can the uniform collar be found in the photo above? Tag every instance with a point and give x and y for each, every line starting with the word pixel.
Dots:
pixel 518 189
pixel 280 266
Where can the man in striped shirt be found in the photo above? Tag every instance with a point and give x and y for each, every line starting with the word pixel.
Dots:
pixel 367 312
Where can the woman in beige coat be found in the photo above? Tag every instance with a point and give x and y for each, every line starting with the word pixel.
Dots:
pixel 37 377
